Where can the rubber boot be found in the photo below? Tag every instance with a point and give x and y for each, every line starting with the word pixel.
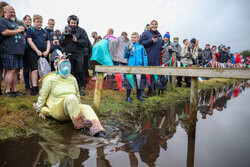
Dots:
pixel 143 94
pixel 150 90
pixel 128 99
pixel 139 97
pixel 159 92
pixel 153 92
pixel 83 91
pixel 34 91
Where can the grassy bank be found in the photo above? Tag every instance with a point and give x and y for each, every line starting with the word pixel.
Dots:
pixel 17 117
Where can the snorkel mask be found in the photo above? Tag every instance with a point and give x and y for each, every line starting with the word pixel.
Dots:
pixel 62 65
pixel 63 68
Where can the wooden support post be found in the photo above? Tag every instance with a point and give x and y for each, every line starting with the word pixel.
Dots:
pixel 192 121
pixel 98 92
pixel 174 65
pixel 172 119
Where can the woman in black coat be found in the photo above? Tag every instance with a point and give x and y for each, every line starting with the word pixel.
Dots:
pixel 152 41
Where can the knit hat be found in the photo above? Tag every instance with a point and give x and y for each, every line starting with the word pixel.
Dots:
pixel 167 35
pixel 147 27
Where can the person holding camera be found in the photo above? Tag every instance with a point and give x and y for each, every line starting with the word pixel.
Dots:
pixel 76 43
pixel 55 45
pixel 223 54
pixel 189 54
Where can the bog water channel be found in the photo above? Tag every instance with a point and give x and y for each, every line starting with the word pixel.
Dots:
pixel 222 138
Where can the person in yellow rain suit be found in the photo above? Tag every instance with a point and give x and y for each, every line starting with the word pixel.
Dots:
pixel 59 98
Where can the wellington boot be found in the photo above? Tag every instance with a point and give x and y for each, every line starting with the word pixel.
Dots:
pixel 34 91
pixel 128 99
pixel 143 94
pixel 139 96
pixel 83 91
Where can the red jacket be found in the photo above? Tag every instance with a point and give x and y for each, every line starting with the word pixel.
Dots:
pixel 237 59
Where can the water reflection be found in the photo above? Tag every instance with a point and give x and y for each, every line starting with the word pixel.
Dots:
pixel 157 131
pixel 217 98
pixel 143 141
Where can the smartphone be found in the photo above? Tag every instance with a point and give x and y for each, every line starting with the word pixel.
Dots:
pixel 155 36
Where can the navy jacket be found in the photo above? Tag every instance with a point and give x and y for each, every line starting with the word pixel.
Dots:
pixel 153 49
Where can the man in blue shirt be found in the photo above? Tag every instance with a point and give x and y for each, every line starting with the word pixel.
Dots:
pixel 12 47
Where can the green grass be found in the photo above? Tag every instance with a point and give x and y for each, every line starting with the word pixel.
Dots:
pixel 18 118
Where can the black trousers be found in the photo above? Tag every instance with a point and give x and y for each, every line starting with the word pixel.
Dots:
pixel 187 80
pixel 77 69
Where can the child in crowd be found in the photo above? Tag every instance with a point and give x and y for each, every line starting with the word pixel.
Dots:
pixel 55 45
pixel 38 41
pixel 136 55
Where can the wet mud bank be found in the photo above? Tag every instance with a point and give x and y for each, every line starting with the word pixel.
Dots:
pixel 18 119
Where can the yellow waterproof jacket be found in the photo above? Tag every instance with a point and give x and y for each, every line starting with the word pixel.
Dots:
pixel 52 93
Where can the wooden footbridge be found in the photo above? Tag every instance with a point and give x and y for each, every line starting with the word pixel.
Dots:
pixel 194 73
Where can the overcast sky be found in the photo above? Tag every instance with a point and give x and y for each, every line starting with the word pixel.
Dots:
pixel 211 21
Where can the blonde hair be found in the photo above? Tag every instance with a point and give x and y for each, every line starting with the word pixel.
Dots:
pixel 37 17
pixel 135 33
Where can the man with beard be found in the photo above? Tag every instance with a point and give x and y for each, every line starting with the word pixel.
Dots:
pixel 12 49
pixel 75 42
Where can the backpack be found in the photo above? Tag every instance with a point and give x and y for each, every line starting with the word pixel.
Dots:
pixel 33 30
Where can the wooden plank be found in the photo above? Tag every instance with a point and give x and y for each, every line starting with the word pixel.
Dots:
pixel 178 71
pixel 98 92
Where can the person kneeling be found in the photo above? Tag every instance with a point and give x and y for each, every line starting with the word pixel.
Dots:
pixel 59 98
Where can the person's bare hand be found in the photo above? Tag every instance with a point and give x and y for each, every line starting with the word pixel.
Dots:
pixel 20 29
pixel 45 53
pixel 154 40
pixel 169 47
pixel 74 38
pixel 131 46
pixel 39 53
pixel 42 116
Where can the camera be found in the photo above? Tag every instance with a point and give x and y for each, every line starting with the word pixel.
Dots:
pixel 188 55
pixel 69 32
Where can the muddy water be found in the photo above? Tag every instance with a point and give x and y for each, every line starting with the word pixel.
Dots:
pixel 162 139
